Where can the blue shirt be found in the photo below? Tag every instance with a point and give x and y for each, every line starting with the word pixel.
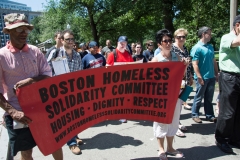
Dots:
pixel 204 54
pixel 157 51
pixel 93 61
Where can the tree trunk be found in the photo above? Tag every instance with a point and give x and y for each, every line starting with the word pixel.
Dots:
pixel 93 25
pixel 168 15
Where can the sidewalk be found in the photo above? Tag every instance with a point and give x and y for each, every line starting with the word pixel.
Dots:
pixel 111 140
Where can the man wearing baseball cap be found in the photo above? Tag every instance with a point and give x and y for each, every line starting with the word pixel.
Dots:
pixel 227 129
pixel 93 59
pixel 21 64
pixel 121 54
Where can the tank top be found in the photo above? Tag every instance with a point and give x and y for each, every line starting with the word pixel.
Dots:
pixel 160 57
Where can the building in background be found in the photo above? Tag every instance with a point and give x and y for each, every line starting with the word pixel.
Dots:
pixel 7 7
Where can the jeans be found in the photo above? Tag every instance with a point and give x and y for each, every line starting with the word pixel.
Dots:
pixel 206 91
pixel 72 141
pixel 227 128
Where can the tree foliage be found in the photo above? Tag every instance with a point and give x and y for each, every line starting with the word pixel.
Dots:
pixel 138 19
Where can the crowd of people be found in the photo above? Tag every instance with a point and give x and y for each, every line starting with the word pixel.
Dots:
pixel 23 64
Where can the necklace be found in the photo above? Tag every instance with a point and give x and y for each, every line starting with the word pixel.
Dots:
pixel 169 57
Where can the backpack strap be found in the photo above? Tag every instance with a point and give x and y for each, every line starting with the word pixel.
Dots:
pixel 56 52
pixel 115 55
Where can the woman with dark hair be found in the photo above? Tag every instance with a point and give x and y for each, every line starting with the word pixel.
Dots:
pixel 164 38
pixel 138 53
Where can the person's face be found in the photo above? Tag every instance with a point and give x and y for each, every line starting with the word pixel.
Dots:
pixel 133 46
pixel 122 45
pixel 94 50
pixel 68 41
pixel 180 38
pixel 58 39
pixel 108 43
pixel 19 35
pixel 138 48
pixel 150 46
pixel 166 43
pixel 207 35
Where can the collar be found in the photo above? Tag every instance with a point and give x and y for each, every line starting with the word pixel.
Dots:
pixel 14 49
pixel 202 44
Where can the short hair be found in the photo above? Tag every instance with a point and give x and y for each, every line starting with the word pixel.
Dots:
pixel 202 30
pixel 66 31
pixel 161 33
pixel 181 30
pixel 57 33
pixel 149 42
pixel 138 43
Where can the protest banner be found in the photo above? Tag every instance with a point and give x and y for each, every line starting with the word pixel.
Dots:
pixel 63 106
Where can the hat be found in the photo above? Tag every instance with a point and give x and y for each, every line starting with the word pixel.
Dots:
pixel 81 45
pixel 236 20
pixel 122 39
pixel 92 44
pixel 14 20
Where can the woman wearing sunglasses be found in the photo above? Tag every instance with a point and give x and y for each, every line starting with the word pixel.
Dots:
pixel 178 47
pixel 164 39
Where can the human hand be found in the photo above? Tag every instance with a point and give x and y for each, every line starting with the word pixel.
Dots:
pixel 186 61
pixel 200 81
pixel 19 116
pixel 23 83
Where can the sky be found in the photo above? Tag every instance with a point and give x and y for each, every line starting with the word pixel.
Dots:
pixel 36 5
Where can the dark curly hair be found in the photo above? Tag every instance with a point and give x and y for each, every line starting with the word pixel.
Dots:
pixel 161 33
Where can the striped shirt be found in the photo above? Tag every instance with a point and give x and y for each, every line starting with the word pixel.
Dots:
pixel 75 63
pixel 17 65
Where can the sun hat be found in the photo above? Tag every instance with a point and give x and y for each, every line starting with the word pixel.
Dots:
pixel 14 20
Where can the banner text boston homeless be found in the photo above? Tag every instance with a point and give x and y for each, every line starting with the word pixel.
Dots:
pixel 65 105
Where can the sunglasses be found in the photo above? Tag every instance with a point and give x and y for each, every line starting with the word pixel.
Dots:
pixel 167 41
pixel 20 30
pixel 150 45
pixel 138 47
pixel 69 40
pixel 179 37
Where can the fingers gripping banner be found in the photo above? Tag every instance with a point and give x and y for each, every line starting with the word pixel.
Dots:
pixel 61 107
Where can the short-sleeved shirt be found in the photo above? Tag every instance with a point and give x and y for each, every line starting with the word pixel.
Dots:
pixel 17 65
pixel 93 61
pixel 121 57
pixel 229 57
pixel 75 63
pixel 148 54
pixel 157 51
pixel 140 57
pixel 204 54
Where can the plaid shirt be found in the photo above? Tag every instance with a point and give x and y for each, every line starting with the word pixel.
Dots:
pixel 75 63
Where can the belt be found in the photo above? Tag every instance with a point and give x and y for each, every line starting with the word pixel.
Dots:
pixel 232 73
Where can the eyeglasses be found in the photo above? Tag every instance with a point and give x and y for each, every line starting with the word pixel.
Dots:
pixel 69 40
pixel 138 47
pixel 167 41
pixel 179 37
pixel 20 30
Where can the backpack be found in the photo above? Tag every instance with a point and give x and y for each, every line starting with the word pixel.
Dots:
pixel 115 55
pixel 55 54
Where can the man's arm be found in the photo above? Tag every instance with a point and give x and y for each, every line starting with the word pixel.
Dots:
pixel 197 71
pixel 15 114
pixel 28 81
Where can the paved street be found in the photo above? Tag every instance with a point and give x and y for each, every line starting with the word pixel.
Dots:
pixel 111 140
